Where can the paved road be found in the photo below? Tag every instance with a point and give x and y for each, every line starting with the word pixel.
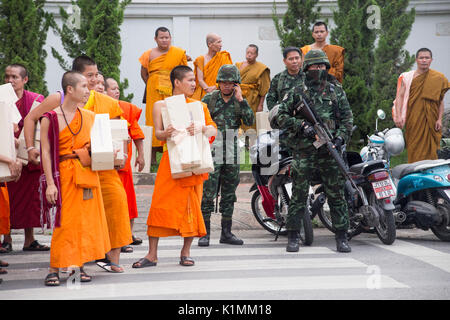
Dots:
pixel 416 266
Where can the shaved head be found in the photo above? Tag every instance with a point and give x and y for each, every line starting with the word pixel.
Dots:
pixel 71 78
pixel 211 37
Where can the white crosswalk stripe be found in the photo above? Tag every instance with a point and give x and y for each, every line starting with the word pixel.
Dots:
pixel 260 266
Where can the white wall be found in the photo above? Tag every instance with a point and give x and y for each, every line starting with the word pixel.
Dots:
pixel 239 23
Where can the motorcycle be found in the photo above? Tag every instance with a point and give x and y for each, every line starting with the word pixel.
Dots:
pixel 423 187
pixel 272 189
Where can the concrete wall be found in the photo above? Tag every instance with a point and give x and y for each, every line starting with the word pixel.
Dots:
pixel 239 23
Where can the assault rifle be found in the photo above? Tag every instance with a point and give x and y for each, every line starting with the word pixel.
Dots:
pixel 324 137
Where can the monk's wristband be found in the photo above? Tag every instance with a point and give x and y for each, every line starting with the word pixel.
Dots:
pixel 30 148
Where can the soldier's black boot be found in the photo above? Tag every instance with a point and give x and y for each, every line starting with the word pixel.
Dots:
pixel 226 236
pixel 293 241
pixel 204 241
pixel 342 242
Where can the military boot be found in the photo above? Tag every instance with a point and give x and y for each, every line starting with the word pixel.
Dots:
pixel 293 241
pixel 342 242
pixel 204 241
pixel 226 236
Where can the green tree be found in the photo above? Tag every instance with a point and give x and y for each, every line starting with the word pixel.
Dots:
pixel 390 59
pixel 93 28
pixel 103 40
pixel 295 28
pixel 23 34
pixel 352 33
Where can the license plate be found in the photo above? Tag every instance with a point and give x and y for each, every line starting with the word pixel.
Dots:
pixel 383 189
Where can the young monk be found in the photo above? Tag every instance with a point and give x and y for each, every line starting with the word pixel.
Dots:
pixel 80 228
pixel 176 203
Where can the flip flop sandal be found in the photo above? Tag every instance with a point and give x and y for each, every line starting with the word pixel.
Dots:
pixel 108 267
pixel 52 280
pixel 143 263
pixel 7 247
pixel 84 277
pixel 136 241
pixel 187 261
pixel 126 249
pixel 4 264
pixel 36 246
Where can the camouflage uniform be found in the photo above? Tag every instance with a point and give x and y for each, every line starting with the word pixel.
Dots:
pixel 280 85
pixel 332 106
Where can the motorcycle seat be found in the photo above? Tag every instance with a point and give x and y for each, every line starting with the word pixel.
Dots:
pixel 360 168
pixel 404 169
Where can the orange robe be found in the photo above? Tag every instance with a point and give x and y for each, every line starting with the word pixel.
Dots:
pixel 159 86
pixel 131 113
pixel 255 84
pixel 83 234
pixel 113 192
pixel 176 203
pixel 209 70
pixel 4 210
pixel 335 55
pixel 425 96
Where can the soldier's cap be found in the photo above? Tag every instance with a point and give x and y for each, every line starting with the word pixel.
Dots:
pixel 228 73
pixel 315 57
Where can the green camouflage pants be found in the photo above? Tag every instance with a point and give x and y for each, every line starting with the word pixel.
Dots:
pixel 228 174
pixel 304 163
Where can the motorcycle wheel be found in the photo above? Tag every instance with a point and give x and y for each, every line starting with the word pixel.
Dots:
pixel 442 231
pixel 325 218
pixel 386 230
pixel 266 222
pixel 306 230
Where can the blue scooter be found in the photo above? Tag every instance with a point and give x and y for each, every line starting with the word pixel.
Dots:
pixel 423 187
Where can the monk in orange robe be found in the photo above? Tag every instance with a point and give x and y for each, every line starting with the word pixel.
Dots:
pixel 255 77
pixel 334 53
pixel 155 70
pixel 425 108
pixel 131 113
pixel 207 66
pixel 176 203
pixel 73 203
pixel 113 192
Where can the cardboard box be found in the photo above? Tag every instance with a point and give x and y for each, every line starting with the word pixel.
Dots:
pixel 262 122
pixel 119 129
pixel 7 93
pixel 102 152
pixel 207 163
pixel 7 145
pixel 185 152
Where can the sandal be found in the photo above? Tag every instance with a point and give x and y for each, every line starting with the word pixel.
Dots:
pixel 36 246
pixel 126 249
pixel 143 263
pixel 3 271
pixel 7 247
pixel 4 264
pixel 186 261
pixel 136 241
pixel 109 267
pixel 84 277
pixel 52 280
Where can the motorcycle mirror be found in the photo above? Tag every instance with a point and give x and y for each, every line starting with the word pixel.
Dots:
pixel 381 114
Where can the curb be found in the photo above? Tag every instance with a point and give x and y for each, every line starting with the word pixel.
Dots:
pixel 149 178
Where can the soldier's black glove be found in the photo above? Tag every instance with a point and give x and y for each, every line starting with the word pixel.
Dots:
pixel 338 142
pixel 307 130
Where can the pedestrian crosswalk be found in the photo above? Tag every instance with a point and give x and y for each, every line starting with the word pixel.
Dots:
pixel 259 267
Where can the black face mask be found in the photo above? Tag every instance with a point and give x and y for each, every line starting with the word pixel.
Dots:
pixel 316 77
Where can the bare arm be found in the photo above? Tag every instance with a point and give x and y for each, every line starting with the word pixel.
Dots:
pixel 399 105
pixel 438 125
pixel 261 103
pixel 144 74
pixel 140 161
pixel 49 103
pixel 52 192
pixel 15 167
pixel 202 82
pixel 160 133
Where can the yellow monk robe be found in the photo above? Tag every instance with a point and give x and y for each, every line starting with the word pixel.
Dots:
pixel 425 95
pixel 335 55
pixel 209 70
pixel 255 84
pixel 4 210
pixel 176 203
pixel 159 86
pixel 113 192
pixel 131 113
pixel 83 234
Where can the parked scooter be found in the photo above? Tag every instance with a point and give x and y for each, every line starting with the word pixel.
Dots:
pixel 272 189
pixel 423 187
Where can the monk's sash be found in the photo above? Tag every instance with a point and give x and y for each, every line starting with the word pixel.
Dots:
pixel 400 113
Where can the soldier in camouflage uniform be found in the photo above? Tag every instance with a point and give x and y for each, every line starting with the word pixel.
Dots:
pixel 228 110
pixel 330 103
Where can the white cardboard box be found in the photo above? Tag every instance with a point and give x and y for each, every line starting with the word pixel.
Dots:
pixel 7 93
pixel 207 163
pixel 119 129
pixel 262 122
pixel 7 145
pixel 186 152
pixel 102 152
